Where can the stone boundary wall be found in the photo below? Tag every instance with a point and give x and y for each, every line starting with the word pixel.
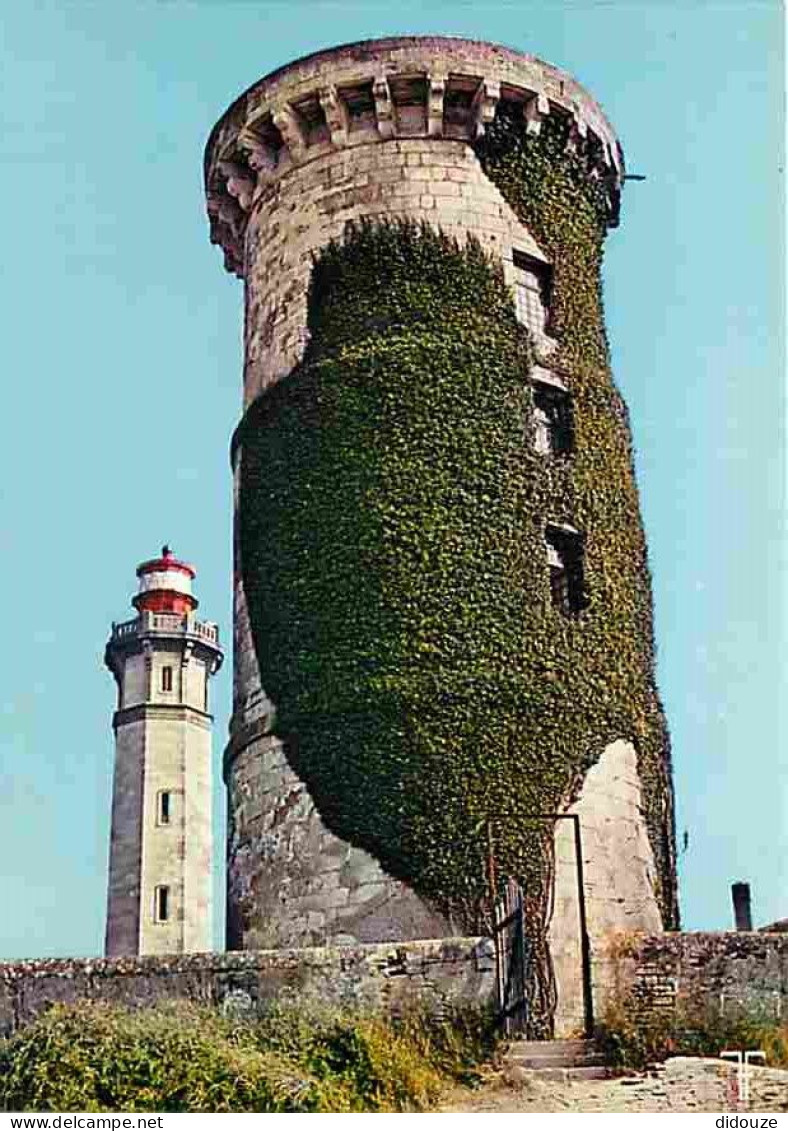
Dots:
pixel 439 973
pixel 728 971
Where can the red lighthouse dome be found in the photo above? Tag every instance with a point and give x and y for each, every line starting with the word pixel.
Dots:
pixel 165 585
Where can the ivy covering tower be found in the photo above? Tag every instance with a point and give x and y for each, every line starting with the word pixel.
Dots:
pixel 443 607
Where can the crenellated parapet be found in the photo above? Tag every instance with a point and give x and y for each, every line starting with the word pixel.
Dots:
pixel 381 90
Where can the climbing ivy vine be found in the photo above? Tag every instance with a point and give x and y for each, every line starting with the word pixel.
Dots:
pixel 392 518
pixel 547 184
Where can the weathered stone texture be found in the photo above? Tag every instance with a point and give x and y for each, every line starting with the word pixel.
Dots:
pixel 125 857
pixel 728 971
pixel 440 974
pixel 169 751
pixel 437 181
pixel 619 876
pixel 376 91
pixel 135 683
pixel 291 882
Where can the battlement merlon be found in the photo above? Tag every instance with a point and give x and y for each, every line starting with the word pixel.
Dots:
pixel 379 90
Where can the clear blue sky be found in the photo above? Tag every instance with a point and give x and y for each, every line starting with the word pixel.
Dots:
pixel 121 347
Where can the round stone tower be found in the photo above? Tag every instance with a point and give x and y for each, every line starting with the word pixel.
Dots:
pixel 469 139
pixel 159 892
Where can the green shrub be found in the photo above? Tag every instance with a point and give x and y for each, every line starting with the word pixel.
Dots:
pixel 633 1037
pixel 375 1064
pixel 458 1043
pixel 381 1056
pixel 176 1057
pixel 93 1057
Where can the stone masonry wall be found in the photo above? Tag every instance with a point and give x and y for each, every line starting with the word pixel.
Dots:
pixel 379 91
pixel 727 971
pixel 441 974
pixel 291 882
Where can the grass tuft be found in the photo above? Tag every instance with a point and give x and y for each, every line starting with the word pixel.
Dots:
pixel 178 1057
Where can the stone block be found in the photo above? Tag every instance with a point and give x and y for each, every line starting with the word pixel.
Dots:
pixel 445 188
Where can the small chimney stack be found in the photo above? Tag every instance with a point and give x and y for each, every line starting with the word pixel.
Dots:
pixel 742 911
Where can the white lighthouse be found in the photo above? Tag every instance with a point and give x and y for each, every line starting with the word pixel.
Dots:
pixel 159 894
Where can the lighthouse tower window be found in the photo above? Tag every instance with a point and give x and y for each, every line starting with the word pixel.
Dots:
pixel 162 904
pixel 565 561
pixel 164 807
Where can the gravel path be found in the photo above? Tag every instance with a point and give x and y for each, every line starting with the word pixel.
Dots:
pixel 681 1084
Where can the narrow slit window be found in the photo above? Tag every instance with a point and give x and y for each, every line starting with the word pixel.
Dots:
pixel 532 289
pixel 162 909
pixel 166 678
pixel 553 430
pixel 165 807
pixel 565 561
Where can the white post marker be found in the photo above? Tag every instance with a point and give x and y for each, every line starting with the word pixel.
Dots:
pixel 743 1059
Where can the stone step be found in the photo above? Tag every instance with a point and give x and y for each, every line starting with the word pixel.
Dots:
pixel 562 1054
pixel 580 1072
pixel 556 1061
pixel 579 1045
